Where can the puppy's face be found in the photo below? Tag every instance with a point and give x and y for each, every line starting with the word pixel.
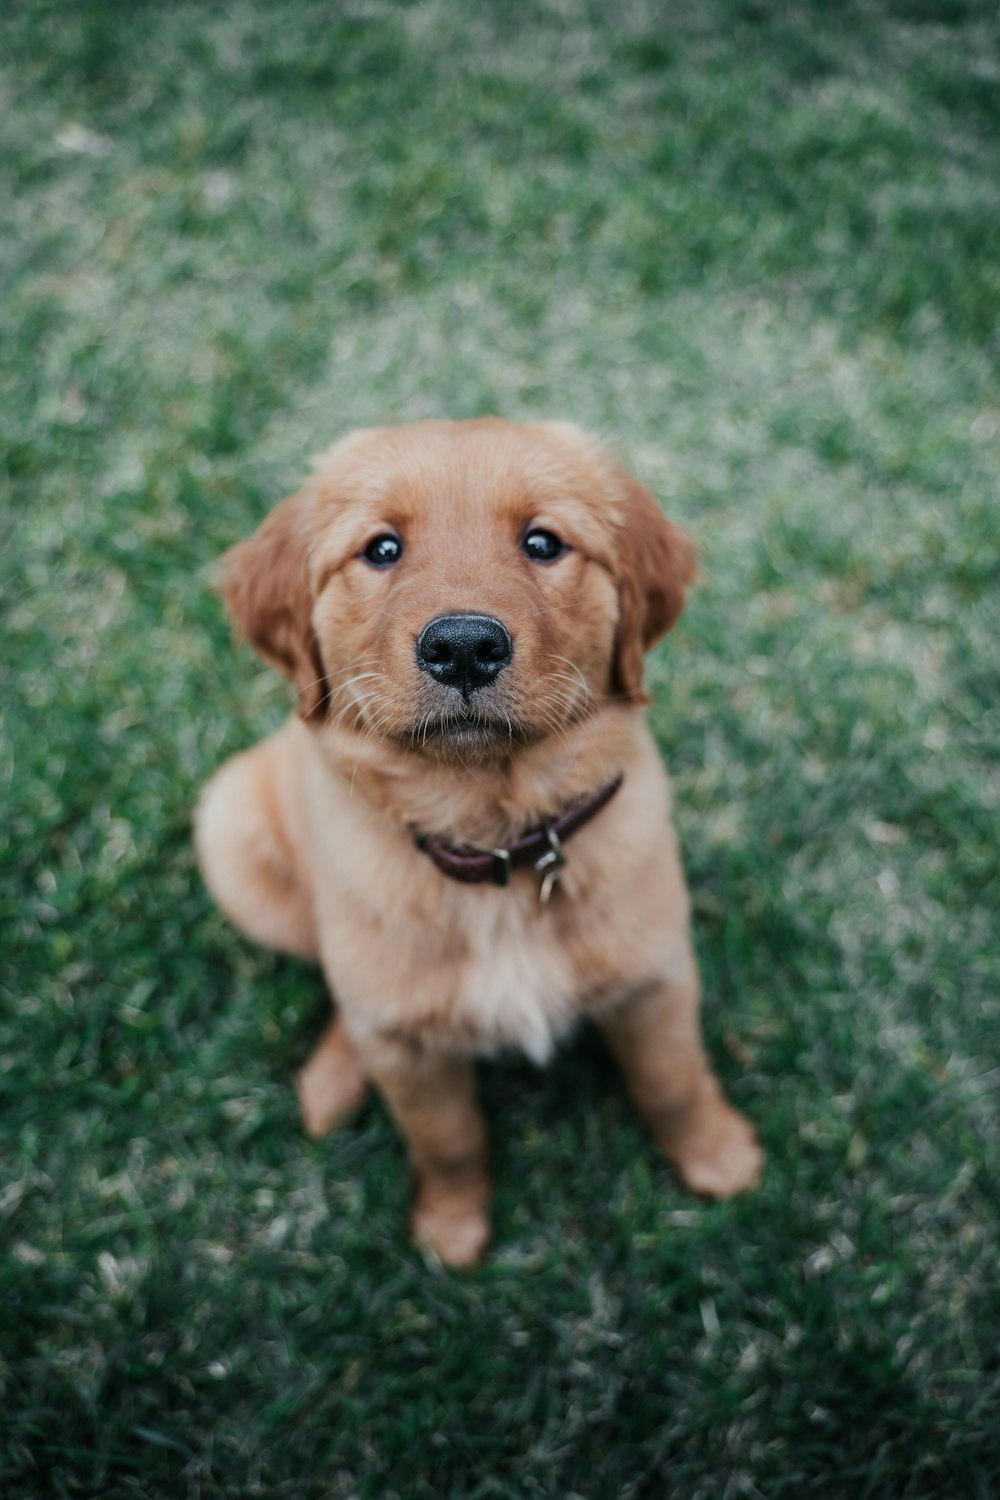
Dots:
pixel 461 589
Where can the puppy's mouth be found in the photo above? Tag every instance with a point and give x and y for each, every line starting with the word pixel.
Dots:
pixel 465 731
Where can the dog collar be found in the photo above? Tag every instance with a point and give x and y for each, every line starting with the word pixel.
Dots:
pixel 541 847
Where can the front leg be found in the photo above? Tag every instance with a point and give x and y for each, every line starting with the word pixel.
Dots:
pixel 656 1038
pixel 431 1096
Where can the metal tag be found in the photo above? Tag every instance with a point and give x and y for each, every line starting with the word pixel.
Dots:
pixel 549 867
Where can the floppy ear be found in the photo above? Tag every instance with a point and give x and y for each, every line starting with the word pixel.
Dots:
pixel 265 584
pixel 657 561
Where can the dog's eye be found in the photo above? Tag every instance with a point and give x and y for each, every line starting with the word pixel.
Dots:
pixel 542 546
pixel 382 551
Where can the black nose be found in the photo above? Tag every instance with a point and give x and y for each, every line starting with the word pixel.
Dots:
pixel 464 651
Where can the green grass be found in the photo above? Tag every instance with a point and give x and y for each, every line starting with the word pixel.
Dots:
pixel 757 245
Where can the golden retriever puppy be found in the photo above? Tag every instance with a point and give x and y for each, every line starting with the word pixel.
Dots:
pixel 468 824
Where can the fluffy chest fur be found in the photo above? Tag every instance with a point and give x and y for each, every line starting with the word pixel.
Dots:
pixel 484 967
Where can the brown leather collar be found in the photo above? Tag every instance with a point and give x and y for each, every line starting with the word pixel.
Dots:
pixel 540 846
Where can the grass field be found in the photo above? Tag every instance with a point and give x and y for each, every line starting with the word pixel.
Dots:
pixel 758 246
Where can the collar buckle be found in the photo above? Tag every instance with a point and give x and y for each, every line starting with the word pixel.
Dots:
pixel 501 868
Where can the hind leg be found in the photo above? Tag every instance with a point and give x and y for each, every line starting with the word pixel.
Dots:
pixel 246 854
pixel 332 1085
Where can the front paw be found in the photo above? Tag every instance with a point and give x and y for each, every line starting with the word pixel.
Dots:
pixel 716 1153
pixel 456 1232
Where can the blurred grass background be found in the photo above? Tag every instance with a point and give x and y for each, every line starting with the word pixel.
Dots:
pixel 758 246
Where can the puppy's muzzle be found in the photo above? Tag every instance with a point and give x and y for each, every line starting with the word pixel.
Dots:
pixel 466 652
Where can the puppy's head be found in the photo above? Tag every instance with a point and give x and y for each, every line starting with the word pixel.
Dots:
pixel 461 588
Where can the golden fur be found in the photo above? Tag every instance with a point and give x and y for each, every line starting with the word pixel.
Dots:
pixel 307 840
